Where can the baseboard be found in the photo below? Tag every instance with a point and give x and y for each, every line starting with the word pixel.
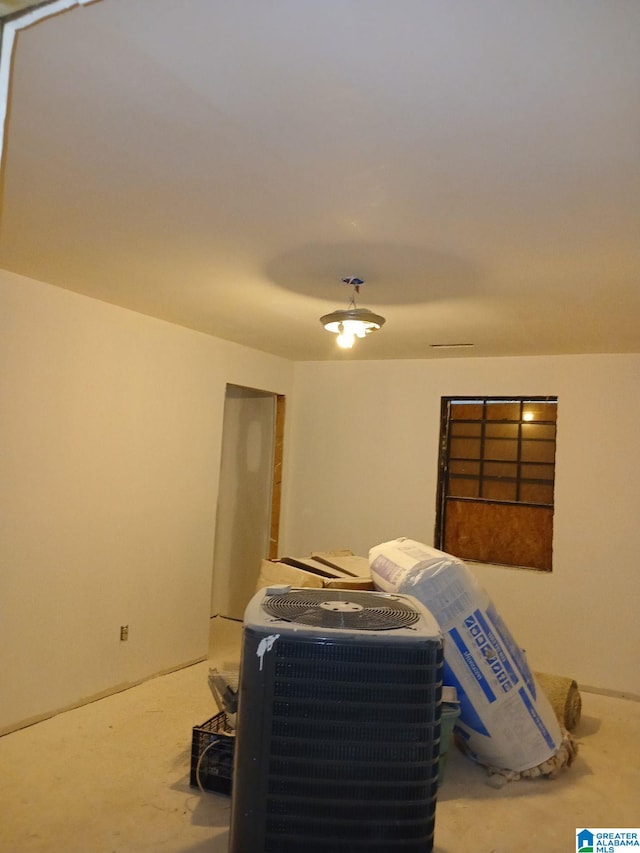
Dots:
pixel 95 697
pixel 614 694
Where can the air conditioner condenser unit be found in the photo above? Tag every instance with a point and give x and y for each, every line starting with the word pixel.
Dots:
pixel 338 724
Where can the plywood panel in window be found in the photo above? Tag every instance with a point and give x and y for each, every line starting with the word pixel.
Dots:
pixel 512 534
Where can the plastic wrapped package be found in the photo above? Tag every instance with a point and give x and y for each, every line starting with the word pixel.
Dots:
pixel 506 721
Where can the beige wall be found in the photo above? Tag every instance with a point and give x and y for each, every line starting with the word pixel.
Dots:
pixel 364 439
pixel 110 434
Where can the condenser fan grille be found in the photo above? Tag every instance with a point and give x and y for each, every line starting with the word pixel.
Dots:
pixel 335 608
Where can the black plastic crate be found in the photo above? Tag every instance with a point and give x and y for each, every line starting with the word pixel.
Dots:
pixel 212 748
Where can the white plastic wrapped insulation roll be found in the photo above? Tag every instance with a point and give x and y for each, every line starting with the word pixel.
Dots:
pixel 506 721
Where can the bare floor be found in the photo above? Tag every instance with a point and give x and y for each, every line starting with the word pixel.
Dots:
pixel 113 777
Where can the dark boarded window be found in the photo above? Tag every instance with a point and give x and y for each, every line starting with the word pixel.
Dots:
pixel 496 480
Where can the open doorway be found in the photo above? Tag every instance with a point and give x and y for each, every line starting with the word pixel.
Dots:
pixel 248 514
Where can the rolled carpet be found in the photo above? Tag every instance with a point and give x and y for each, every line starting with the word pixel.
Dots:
pixel 564 696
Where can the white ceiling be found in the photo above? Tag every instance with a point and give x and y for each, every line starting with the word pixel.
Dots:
pixel 223 165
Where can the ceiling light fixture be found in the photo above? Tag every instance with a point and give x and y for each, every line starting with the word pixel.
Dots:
pixel 352 322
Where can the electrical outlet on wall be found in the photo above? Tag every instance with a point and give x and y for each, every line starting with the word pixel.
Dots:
pixel 124 632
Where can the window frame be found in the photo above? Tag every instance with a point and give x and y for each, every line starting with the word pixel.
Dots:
pixel 480 461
